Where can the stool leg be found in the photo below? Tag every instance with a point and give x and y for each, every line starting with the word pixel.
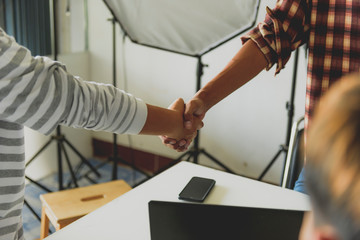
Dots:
pixel 44 224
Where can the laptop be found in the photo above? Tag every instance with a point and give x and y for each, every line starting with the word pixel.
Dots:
pixel 193 221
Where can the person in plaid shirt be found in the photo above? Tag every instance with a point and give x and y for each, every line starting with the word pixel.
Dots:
pixel 331 30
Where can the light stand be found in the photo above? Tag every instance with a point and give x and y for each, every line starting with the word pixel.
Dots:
pixel 188 46
pixel 290 109
pixel 115 158
pixel 195 151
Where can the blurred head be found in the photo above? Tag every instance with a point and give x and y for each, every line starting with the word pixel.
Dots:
pixel 333 163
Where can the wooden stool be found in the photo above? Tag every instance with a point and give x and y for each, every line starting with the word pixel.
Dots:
pixel 64 207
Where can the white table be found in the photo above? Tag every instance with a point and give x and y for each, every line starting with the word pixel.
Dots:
pixel 127 216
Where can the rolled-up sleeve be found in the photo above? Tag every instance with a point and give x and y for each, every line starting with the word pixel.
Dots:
pixel 284 29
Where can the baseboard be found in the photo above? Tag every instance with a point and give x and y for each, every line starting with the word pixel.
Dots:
pixel 145 161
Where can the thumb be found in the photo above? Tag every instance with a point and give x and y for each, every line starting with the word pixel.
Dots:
pixel 189 112
pixel 178 105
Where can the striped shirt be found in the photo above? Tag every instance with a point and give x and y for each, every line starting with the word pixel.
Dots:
pixel 39 93
pixel 331 29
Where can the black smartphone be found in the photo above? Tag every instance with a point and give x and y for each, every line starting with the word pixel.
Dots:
pixel 197 189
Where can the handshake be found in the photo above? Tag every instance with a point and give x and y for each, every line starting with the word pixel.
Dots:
pixel 187 121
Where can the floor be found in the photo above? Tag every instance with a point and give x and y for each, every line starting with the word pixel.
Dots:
pixel 32 192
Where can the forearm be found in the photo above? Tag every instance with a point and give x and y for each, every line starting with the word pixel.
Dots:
pixel 162 121
pixel 245 65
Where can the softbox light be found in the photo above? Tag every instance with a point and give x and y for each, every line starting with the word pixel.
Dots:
pixel 190 27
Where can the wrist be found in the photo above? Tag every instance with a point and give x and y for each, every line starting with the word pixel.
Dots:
pixel 203 97
pixel 161 121
pixel 175 129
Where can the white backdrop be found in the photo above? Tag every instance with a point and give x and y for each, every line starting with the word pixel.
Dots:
pixel 185 26
pixel 243 131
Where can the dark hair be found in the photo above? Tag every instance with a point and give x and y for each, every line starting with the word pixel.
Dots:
pixel 333 158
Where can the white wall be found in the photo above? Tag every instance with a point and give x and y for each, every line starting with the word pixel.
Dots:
pixel 243 131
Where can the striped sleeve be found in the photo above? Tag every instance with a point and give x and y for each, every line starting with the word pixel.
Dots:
pixel 284 29
pixel 39 93
pixel 12 181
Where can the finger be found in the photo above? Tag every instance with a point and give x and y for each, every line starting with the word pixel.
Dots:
pixel 167 140
pixel 188 144
pixel 173 146
pixel 183 145
pixel 182 149
pixel 200 125
pixel 189 115
pixel 182 142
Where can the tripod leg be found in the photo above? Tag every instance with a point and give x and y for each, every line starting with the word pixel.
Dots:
pixel 282 148
pixel 216 161
pixel 69 165
pixel 86 175
pixel 40 151
pixel 38 184
pixel 32 210
pixel 90 180
pixel 183 155
pixel 188 158
pixel 83 159
pixel 81 177
pixel 115 161
pixel 78 168
pixel 196 147
pixel 60 168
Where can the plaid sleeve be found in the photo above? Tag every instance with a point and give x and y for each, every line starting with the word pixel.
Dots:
pixel 284 29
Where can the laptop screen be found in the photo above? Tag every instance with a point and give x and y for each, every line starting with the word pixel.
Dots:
pixel 177 220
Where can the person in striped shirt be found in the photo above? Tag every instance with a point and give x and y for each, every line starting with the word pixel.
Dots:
pixel 333 164
pixel 39 93
pixel 331 30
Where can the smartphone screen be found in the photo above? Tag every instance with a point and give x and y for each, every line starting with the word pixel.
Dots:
pixel 197 189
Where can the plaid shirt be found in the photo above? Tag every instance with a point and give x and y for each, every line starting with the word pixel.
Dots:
pixel 331 28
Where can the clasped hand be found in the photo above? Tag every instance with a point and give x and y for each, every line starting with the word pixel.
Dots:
pixel 191 117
